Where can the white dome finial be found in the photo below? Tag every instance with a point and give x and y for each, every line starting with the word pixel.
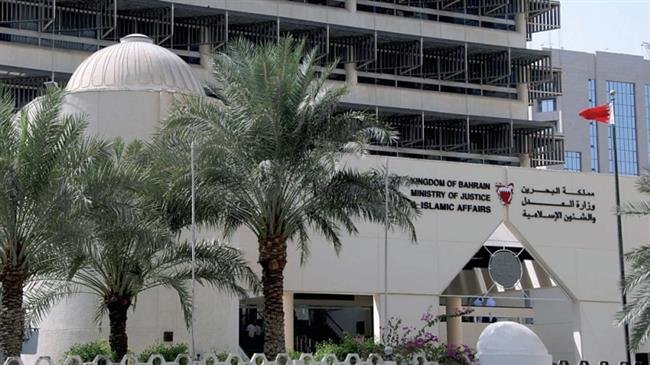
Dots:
pixel 136 37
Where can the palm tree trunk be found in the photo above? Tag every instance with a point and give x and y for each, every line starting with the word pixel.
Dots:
pixel 273 259
pixel 12 316
pixel 118 339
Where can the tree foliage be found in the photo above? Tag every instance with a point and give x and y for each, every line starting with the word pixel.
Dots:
pixel 42 152
pixel 129 249
pixel 269 159
pixel 637 281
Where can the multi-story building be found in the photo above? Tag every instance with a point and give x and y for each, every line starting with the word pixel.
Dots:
pixel 587 80
pixel 454 77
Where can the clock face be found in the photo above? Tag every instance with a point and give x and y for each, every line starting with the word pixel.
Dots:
pixel 505 268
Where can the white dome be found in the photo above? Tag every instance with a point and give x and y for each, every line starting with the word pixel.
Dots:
pixel 134 64
pixel 509 338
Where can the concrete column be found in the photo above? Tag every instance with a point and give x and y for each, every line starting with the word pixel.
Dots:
pixel 351 5
pixel 455 324
pixel 205 50
pixel 287 307
pixel 522 94
pixel 524 160
pixel 350 73
pixel 520 23
pixel 376 317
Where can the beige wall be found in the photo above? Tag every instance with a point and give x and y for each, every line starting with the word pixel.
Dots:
pixel 580 255
pixel 156 311
pixel 127 114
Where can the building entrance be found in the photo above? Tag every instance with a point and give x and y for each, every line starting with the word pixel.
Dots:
pixel 317 318
pixel 504 281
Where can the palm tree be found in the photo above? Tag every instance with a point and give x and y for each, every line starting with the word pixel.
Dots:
pixel 131 251
pixel 269 152
pixel 636 285
pixel 40 153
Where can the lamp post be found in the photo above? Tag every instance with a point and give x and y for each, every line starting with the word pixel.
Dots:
pixel 386 227
pixel 619 226
pixel 192 318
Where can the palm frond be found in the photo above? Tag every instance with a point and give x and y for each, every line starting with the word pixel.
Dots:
pixel 268 150
pixel 41 296
pixel 638 208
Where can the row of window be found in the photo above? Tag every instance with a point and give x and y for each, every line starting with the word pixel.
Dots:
pixel 647 115
pixel 625 119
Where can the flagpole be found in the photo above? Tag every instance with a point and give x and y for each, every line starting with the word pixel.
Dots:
pixel 621 253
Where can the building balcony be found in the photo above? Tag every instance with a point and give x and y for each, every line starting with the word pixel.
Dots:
pixel 472 138
pixel 536 15
pixel 379 57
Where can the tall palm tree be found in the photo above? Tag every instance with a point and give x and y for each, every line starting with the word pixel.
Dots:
pixel 269 152
pixel 131 251
pixel 636 284
pixel 40 153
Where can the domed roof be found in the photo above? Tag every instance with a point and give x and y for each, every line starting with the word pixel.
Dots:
pixel 509 338
pixel 134 64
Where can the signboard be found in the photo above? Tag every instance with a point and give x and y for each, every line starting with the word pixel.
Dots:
pixel 559 204
pixel 451 195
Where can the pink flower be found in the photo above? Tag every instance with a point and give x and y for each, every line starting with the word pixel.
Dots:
pixel 430 337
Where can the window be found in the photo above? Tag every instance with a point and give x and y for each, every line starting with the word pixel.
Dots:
pixel 572 161
pixel 625 116
pixel 647 115
pixel 546 105
pixel 593 128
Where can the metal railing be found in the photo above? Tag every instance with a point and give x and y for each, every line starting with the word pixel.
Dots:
pixel 406 61
pixel 261 359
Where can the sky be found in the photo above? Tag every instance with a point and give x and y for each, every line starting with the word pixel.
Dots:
pixel 600 25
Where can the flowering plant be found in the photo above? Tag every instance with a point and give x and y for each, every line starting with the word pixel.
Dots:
pixel 406 342
pixel 458 355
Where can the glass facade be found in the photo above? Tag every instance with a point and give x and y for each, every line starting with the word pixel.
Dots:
pixel 572 161
pixel 593 128
pixel 647 115
pixel 625 116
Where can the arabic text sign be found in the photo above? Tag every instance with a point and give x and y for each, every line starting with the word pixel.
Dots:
pixel 558 204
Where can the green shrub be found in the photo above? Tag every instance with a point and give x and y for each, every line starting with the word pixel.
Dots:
pixel 222 355
pixel 293 355
pixel 88 351
pixel 348 345
pixel 168 352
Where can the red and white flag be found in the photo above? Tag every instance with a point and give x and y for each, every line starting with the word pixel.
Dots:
pixel 601 113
